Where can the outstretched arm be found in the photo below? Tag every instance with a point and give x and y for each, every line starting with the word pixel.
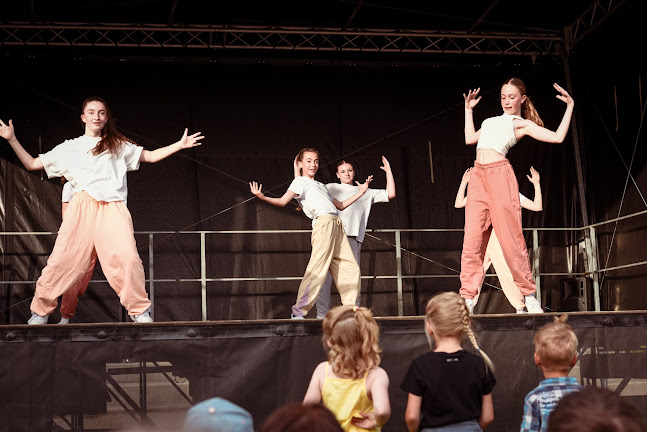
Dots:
pixel 363 187
pixel 279 202
pixel 187 141
pixel 536 204
pixel 7 132
pixel 471 100
pixel 546 135
pixel 461 195
pixel 390 181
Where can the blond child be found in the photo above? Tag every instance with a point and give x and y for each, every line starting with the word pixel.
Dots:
pixel 556 354
pixel 449 388
pixel 350 383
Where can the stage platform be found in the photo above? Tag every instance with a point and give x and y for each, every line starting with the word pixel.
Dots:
pixel 126 376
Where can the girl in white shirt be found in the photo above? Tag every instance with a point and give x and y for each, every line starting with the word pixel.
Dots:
pixel 95 164
pixel 330 248
pixel 355 217
pixel 493 195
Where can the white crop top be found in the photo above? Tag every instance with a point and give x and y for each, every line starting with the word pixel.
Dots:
pixel 497 133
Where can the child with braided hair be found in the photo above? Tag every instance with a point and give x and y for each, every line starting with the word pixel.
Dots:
pixel 350 383
pixel 449 388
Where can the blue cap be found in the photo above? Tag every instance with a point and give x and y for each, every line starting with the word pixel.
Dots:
pixel 218 415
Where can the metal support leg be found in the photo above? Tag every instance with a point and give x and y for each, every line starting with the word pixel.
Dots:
pixel 151 278
pixel 535 263
pixel 203 274
pixel 592 256
pixel 398 260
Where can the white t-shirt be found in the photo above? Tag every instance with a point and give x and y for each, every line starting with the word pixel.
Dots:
pixel 68 192
pixel 522 198
pixel 313 197
pixel 103 177
pixel 355 216
pixel 497 133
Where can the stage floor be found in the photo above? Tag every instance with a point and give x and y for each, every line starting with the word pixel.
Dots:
pixel 122 376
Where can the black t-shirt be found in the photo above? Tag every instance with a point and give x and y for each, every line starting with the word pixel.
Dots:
pixel 451 385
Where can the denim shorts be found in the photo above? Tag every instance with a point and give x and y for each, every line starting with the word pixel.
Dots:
pixel 466 426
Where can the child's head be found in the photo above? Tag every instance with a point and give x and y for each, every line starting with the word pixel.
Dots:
pixel 352 338
pixel 447 316
pixel 99 122
pixel 514 100
pixel 299 417
pixel 594 409
pixel 556 346
pixel 308 161
pixel 345 172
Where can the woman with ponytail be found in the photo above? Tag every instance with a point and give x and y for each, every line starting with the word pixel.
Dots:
pixel 350 383
pixel 449 388
pixel 493 194
pixel 97 223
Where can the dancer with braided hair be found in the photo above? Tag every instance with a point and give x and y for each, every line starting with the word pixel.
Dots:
pixel 350 383
pixel 449 388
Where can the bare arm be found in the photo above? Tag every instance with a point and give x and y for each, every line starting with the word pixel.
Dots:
pixel 363 187
pixel 297 170
pixel 379 393
pixel 461 195
pixel 412 413
pixel 187 141
pixel 279 202
pixel 390 181
pixel 31 163
pixel 546 135
pixel 313 394
pixel 537 203
pixel 487 411
pixel 471 100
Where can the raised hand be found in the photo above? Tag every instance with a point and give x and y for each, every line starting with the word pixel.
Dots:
pixel 188 141
pixel 367 421
pixel 472 98
pixel 534 176
pixel 364 186
pixel 297 170
pixel 563 96
pixel 256 189
pixel 386 166
pixel 467 175
pixel 6 130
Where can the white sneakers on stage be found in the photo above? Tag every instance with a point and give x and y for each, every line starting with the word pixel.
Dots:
pixel 64 320
pixel 37 319
pixel 533 305
pixel 144 317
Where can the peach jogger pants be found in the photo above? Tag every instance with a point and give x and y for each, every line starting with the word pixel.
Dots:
pixel 70 299
pixel 494 256
pixel 493 203
pixel 104 227
pixel 330 251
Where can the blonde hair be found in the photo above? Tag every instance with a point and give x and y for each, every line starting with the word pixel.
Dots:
pixel 352 338
pixel 556 345
pixel 527 108
pixel 447 315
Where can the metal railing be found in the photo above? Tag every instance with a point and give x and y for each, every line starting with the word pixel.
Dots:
pixel 589 234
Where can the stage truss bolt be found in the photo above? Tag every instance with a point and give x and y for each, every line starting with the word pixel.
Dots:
pixel 11 336
pixel 192 333
pixel 102 334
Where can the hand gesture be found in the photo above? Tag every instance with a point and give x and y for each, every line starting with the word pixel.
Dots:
pixel 467 175
pixel 6 131
pixel 563 96
pixel 256 189
pixel 297 170
pixel 364 186
pixel 386 166
pixel 367 421
pixel 472 98
pixel 188 141
pixel 534 176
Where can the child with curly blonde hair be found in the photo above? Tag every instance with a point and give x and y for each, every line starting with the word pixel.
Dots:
pixel 449 388
pixel 350 383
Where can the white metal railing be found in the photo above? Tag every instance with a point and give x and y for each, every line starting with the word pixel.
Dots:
pixel 589 234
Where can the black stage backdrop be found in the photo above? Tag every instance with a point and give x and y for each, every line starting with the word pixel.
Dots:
pixel 256 116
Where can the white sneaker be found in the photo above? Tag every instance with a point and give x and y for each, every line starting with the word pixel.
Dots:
pixel 64 320
pixel 470 305
pixel 521 311
pixel 296 317
pixel 144 317
pixel 533 305
pixel 37 319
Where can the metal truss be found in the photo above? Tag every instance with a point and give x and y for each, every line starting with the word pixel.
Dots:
pixel 591 18
pixel 211 37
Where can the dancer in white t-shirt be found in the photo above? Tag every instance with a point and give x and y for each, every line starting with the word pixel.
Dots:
pixel 330 248
pixel 96 164
pixel 494 253
pixel 355 217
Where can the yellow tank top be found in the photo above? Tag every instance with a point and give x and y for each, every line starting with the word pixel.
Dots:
pixel 346 398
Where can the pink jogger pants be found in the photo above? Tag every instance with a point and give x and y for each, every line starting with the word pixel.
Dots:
pixel 493 202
